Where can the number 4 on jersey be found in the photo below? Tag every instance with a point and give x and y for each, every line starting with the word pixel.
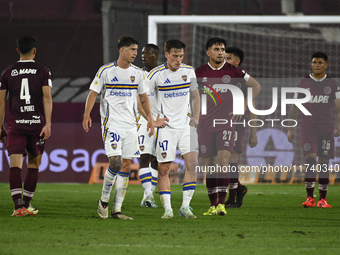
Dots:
pixel 24 91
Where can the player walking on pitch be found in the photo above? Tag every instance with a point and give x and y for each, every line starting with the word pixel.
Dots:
pixel 237 191
pixel 29 122
pixel 174 82
pixel 219 140
pixel 148 164
pixel 317 129
pixel 118 84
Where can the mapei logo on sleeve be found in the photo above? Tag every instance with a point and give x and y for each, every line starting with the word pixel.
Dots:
pixel 184 78
pixel 132 79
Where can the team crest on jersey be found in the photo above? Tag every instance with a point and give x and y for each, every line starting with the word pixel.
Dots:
pixel 164 154
pixel 141 147
pixel 204 79
pixel 203 149
pixel 226 78
pixel 306 146
pixel 132 79
pixel 114 146
pixel 14 72
pixel 327 90
pixel 184 77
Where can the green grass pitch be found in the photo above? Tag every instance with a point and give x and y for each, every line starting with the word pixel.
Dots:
pixel 271 221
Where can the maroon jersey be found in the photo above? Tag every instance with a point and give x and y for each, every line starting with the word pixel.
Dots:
pixel 218 79
pixel 323 94
pixel 24 81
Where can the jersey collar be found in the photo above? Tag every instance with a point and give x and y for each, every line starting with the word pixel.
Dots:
pixel 318 80
pixel 26 61
pixel 217 68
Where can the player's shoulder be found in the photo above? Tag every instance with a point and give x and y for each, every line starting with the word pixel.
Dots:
pixel 185 66
pixel 202 68
pixel 106 67
pixel 137 68
pixel 157 70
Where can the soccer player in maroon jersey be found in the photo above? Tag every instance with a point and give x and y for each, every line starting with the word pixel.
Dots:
pixel 218 140
pixel 29 122
pixel 317 129
pixel 235 56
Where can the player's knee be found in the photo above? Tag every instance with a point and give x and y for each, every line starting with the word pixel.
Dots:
pixel 115 164
pixel 163 170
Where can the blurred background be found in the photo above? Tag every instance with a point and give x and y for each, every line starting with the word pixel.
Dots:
pixel 76 37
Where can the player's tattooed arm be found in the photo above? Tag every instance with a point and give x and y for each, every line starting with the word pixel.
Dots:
pixel 292 115
pixel 159 122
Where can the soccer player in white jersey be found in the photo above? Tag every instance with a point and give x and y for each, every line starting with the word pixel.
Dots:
pixel 174 83
pixel 118 84
pixel 148 163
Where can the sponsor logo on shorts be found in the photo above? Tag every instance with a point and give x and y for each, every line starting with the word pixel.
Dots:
pixel 142 147
pixel 114 146
pixel 164 154
pixel 306 147
pixel 137 153
pixel 36 121
pixel 203 149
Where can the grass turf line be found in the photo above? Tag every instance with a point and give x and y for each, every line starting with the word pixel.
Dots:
pixel 271 221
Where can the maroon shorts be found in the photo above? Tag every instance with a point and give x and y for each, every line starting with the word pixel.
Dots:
pixel 21 143
pixel 239 134
pixel 321 144
pixel 212 142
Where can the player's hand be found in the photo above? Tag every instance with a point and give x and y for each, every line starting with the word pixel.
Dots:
pixel 291 135
pixel 161 123
pixel 45 132
pixel 253 140
pixel 3 136
pixel 87 123
pixel 150 127
pixel 193 122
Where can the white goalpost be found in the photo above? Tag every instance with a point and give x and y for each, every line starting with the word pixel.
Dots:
pixel 277 51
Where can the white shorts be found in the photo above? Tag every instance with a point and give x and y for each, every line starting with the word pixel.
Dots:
pixel 122 143
pixel 169 139
pixel 193 139
pixel 146 143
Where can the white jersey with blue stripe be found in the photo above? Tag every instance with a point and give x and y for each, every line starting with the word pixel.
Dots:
pixel 153 104
pixel 118 89
pixel 172 89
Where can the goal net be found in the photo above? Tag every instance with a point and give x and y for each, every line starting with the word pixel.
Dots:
pixel 278 53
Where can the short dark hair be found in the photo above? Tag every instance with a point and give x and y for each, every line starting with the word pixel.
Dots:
pixel 320 54
pixel 173 44
pixel 26 43
pixel 237 52
pixel 126 41
pixel 153 46
pixel 215 40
